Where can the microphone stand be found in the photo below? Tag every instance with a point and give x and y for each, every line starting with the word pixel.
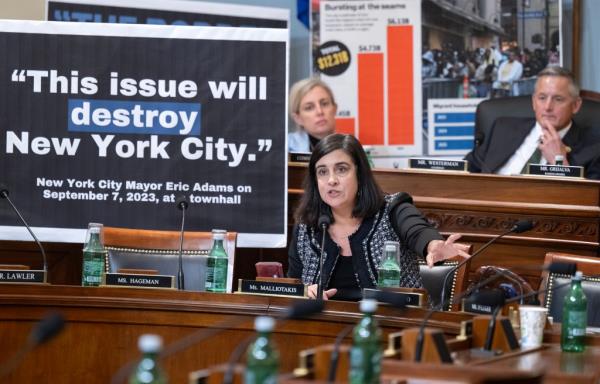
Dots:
pixel 48 327
pixel 335 354
pixel 4 195
pixel 324 221
pixel 463 262
pixel 182 204
pixel 421 334
pixel 491 328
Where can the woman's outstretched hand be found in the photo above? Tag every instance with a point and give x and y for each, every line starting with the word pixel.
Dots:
pixel 440 250
pixel 313 289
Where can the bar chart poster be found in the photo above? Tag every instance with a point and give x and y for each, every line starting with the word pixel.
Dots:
pixel 369 54
pixel 451 125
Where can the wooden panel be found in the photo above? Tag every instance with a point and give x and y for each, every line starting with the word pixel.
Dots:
pixel 103 325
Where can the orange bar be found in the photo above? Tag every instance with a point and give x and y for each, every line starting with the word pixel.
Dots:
pixel 345 125
pixel 401 115
pixel 370 98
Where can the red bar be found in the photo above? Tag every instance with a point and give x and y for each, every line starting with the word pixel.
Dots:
pixel 370 98
pixel 345 125
pixel 401 115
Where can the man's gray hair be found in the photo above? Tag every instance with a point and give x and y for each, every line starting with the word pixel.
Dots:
pixel 555 71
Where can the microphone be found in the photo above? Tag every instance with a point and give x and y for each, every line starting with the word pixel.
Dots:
pixel 323 223
pixel 182 205
pixel 4 195
pixel 479 138
pixel 557 268
pixel 518 227
pixel 563 268
pixel 495 299
pixel 477 142
pixel 299 309
pixel 44 330
pixel 47 328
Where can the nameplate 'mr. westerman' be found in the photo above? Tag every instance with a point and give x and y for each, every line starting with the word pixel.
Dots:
pixel 438 164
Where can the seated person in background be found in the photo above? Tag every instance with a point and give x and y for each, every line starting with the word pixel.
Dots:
pixel 313 109
pixel 340 183
pixel 515 142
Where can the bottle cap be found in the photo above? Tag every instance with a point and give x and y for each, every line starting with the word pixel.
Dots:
pixel 558 158
pixel 264 323
pixel 391 246
pixel 578 276
pixel 368 305
pixel 149 343
pixel 219 234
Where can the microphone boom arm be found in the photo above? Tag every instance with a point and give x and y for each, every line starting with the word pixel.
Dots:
pixel 4 194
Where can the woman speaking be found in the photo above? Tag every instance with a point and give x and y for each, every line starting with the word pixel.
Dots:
pixel 340 184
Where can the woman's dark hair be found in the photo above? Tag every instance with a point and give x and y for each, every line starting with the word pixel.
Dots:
pixel 369 197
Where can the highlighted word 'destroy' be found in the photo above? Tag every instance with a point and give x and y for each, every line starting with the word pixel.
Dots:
pixel 142 117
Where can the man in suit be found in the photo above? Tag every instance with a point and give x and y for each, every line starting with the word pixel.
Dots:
pixel 515 142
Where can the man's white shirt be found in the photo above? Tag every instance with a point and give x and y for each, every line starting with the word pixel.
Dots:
pixel 517 161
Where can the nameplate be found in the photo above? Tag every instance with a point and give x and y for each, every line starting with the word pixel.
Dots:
pixel 473 307
pixel 555 170
pixel 299 157
pixel 395 297
pixel 271 288
pixel 138 281
pixel 20 276
pixel 438 164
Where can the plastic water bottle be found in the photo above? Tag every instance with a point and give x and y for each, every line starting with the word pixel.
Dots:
pixel 574 321
pixel 148 371
pixel 366 352
pixel 93 256
pixel 389 270
pixel 262 358
pixel 216 264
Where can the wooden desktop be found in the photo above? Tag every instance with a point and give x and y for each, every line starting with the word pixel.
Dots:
pixel 103 325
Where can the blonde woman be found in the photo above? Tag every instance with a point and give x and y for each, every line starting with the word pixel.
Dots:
pixel 313 108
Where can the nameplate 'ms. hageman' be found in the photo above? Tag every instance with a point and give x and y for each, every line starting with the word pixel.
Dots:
pixel 138 280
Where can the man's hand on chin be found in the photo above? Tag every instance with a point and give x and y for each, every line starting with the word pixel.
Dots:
pixel 551 144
